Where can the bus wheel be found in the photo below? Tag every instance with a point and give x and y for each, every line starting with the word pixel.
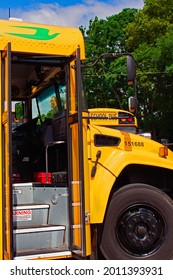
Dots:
pixel 138 224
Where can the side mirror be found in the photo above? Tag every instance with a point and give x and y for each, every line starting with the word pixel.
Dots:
pixel 131 70
pixel 133 104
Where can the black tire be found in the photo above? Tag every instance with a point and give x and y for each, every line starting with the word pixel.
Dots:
pixel 138 225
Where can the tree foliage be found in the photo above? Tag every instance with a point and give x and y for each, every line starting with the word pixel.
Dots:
pixel 150 38
pixel 148 34
pixel 106 82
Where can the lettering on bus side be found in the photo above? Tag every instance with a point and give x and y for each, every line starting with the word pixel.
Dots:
pixel 134 143
pixel 103 116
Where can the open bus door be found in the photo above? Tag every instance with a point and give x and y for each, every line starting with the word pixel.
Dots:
pixel 5 156
pixel 76 159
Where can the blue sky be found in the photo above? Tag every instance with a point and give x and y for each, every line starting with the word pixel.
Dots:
pixel 64 12
pixel 28 3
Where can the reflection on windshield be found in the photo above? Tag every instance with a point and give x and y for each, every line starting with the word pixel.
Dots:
pixel 50 102
pixel 47 103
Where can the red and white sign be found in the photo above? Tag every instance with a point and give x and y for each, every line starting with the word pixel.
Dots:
pixel 22 215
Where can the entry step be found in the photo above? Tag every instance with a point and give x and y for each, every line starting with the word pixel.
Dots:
pixel 38 229
pixel 30 215
pixel 45 237
pixel 31 206
pixel 44 255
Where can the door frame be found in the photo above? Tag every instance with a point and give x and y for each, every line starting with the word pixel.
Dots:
pixel 76 158
pixel 6 155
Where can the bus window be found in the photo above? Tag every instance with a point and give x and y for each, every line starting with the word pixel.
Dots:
pixel 17 114
pixel 51 101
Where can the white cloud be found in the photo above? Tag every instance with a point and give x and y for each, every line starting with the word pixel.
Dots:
pixel 74 15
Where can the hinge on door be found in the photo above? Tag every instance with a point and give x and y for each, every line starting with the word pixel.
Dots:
pixel 6 256
pixel 87 217
pixel 4 117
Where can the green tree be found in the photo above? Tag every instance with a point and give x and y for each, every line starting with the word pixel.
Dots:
pixel 150 38
pixel 106 82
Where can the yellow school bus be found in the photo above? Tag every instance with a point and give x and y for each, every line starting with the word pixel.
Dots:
pixel 74 182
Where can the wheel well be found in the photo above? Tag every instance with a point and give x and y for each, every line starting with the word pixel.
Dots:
pixel 158 177
pixel 138 224
pixel 161 178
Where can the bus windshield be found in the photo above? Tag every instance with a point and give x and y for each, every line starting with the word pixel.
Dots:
pixel 51 101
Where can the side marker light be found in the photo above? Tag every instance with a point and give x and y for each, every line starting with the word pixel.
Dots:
pixel 163 152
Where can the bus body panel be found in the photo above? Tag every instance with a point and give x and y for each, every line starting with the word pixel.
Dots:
pixel 131 150
pixel 40 39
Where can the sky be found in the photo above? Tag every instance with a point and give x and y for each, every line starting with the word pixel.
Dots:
pixel 64 12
